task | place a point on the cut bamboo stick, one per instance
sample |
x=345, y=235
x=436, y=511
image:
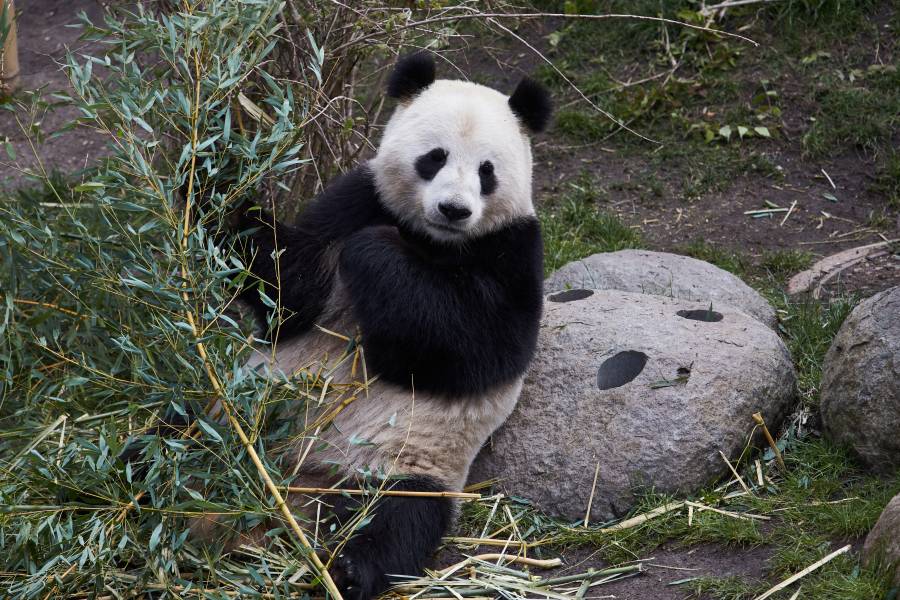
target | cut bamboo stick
x=762, y=423
x=644, y=517
x=358, y=492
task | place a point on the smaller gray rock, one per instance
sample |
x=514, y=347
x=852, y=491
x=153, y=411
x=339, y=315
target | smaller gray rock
x=649, y=388
x=861, y=383
x=662, y=274
x=883, y=542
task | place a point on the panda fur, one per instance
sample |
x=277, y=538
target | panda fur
x=430, y=255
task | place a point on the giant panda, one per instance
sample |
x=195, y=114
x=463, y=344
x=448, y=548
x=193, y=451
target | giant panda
x=429, y=255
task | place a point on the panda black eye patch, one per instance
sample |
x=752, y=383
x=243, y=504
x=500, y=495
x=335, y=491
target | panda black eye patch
x=487, y=177
x=428, y=165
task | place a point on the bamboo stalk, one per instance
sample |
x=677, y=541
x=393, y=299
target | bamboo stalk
x=778, y=459
x=219, y=390
x=9, y=61
x=549, y=563
x=358, y=492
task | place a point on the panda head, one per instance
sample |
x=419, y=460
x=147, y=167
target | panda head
x=455, y=159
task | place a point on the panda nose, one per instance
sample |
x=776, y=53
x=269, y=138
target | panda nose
x=454, y=212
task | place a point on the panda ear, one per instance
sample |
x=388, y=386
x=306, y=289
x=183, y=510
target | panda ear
x=412, y=74
x=531, y=103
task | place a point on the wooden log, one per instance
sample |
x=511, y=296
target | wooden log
x=9, y=61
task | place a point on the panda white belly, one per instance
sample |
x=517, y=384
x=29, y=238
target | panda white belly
x=380, y=428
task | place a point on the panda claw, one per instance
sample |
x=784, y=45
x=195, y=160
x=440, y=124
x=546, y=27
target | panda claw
x=356, y=577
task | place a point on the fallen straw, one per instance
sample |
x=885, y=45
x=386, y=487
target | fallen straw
x=778, y=459
x=549, y=563
x=592, y=574
x=765, y=211
x=803, y=573
x=788, y=214
x=735, y=473
x=472, y=541
x=587, y=513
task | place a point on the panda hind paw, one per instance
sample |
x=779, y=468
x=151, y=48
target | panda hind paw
x=357, y=576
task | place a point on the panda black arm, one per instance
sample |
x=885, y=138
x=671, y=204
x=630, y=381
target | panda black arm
x=451, y=321
x=296, y=257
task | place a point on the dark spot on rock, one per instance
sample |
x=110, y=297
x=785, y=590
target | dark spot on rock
x=684, y=370
x=618, y=370
x=571, y=295
x=702, y=314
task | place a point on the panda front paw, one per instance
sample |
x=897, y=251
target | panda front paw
x=357, y=575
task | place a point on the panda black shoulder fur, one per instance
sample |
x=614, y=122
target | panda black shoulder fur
x=431, y=254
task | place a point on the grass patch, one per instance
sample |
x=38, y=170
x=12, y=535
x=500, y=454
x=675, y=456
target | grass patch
x=861, y=113
x=726, y=588
x=575, y=228
x=723, y=258
x=887, y=179
x=782, y=264
x=809, y=327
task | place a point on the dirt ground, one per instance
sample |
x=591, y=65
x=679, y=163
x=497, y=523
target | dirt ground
x=45, y=33
x=817, y=224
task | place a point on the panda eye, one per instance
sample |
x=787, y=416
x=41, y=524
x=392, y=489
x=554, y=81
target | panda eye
x=428, y=165
x=487, y=177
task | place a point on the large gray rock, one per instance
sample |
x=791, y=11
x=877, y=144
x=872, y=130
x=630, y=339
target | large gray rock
x=861, y=382
x=662, y=274
x=883, y=542
x=638, y=384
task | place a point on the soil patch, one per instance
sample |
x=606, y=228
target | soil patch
x=45, y=33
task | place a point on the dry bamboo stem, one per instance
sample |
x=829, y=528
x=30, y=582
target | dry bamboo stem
x=778, y=459
x=735, y=473
x=357, y=492
x=214, y=379
x=9, y=61
x=472, y=541
x=643, y=517
x=587, y=513
x=803, y=573
x=728, y=513
x=507, y=559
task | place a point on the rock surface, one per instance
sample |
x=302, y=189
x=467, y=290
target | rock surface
x=662, y=274
x=883, y=542
x=861, y=383
x=652, y=388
